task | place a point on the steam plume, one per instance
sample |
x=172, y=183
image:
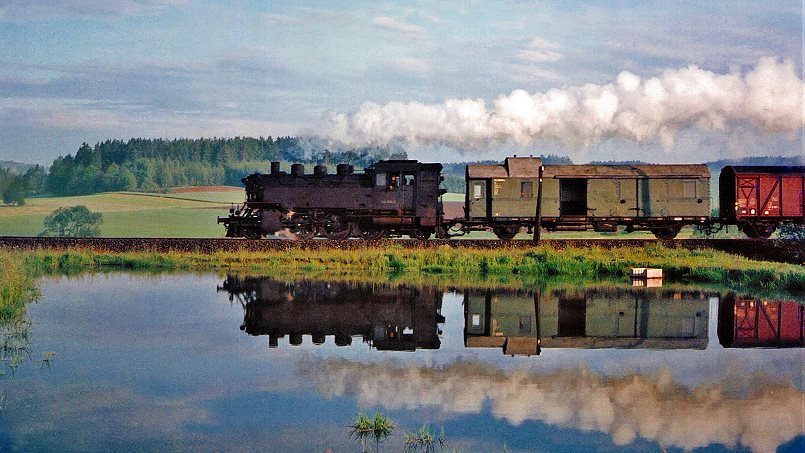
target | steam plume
x=768, y=97
x=650, y=406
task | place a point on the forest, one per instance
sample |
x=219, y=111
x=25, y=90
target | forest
x=155, y=164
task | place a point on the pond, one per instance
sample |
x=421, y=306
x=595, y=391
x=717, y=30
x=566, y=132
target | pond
x=120, y=362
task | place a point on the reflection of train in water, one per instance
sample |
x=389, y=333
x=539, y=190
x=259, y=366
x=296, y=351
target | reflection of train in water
x=387, y=318
x=403, y=197
x=518, y=322
x=746, y=322
x=523, y=324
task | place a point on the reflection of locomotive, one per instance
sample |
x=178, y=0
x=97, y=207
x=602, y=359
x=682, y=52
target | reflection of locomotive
x=401, y=197
x=388, y=318
x=745, y=322
x=523, y=324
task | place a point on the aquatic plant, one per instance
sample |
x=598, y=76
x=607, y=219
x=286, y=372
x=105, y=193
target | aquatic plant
x=424, y=440
x=364, y=428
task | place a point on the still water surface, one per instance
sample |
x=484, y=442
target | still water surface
x=188, y=362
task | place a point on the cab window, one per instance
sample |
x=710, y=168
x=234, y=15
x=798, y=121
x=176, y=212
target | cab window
x=380, y=179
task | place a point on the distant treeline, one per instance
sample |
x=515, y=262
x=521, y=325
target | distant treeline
x=155, y=164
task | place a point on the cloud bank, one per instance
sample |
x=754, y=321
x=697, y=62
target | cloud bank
x=769, y=97
x=650, y=406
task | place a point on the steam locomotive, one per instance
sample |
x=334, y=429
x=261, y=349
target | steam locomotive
x=395, y=198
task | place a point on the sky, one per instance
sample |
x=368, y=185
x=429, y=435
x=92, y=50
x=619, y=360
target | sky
x=447, y=81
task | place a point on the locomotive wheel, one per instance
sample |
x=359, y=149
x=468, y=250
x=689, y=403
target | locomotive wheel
x=336, y=227
x=302, y=227
x=421, y=234
x=372, y=233
x=666, y=233
x=251, y=233
x=506, y=232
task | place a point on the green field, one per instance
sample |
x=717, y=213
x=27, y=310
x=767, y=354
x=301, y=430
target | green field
x=130, y=214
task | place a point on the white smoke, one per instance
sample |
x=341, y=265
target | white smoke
x=650, y=406
x=769, y=97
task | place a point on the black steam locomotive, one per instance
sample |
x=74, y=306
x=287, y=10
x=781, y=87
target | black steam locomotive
x=396, y=198
x=390, y=198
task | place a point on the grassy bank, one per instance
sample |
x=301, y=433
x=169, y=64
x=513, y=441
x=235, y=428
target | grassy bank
x=17, y=289
x=542, y=262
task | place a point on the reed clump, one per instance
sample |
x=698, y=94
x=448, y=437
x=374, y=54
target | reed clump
x=17, y=288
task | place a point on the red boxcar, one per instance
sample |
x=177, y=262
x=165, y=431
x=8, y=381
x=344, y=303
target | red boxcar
x=759, y=199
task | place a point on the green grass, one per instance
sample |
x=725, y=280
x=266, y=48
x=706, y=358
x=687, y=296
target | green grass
x=17, y=287
x=128, y=214
x=468, y=264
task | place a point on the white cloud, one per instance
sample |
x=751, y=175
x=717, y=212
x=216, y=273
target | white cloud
x=540, y=50
x=410, y=64
x=396, y=25
x=652, y=407
x=131, y=121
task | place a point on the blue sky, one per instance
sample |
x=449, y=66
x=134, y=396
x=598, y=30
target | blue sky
x=75, y=71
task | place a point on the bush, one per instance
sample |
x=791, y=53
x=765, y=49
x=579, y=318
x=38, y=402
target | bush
x=791, y=231
x=75, y=221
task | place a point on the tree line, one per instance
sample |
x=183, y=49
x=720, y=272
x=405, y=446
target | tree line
x=155, y=164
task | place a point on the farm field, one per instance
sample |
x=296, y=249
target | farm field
x=181, y=213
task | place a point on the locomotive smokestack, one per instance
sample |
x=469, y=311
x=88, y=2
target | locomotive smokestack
x=275, y=168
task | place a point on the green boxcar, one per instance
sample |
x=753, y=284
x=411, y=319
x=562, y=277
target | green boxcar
x=659, y=198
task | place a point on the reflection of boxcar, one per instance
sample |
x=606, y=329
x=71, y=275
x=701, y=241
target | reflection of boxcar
x=659, y=198
x=590, y=318
x=758, y=199
x=390, y=197
x=745, y=322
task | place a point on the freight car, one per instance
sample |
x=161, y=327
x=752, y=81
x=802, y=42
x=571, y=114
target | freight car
x=657, y=198
x=402, y=197
x=759, y=199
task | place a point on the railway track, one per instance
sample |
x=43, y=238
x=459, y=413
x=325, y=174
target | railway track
x=771, y=250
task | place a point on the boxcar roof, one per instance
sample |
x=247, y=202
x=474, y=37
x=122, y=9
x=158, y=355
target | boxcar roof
x=763, y=169
x=512, y=167
x=627, y=171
